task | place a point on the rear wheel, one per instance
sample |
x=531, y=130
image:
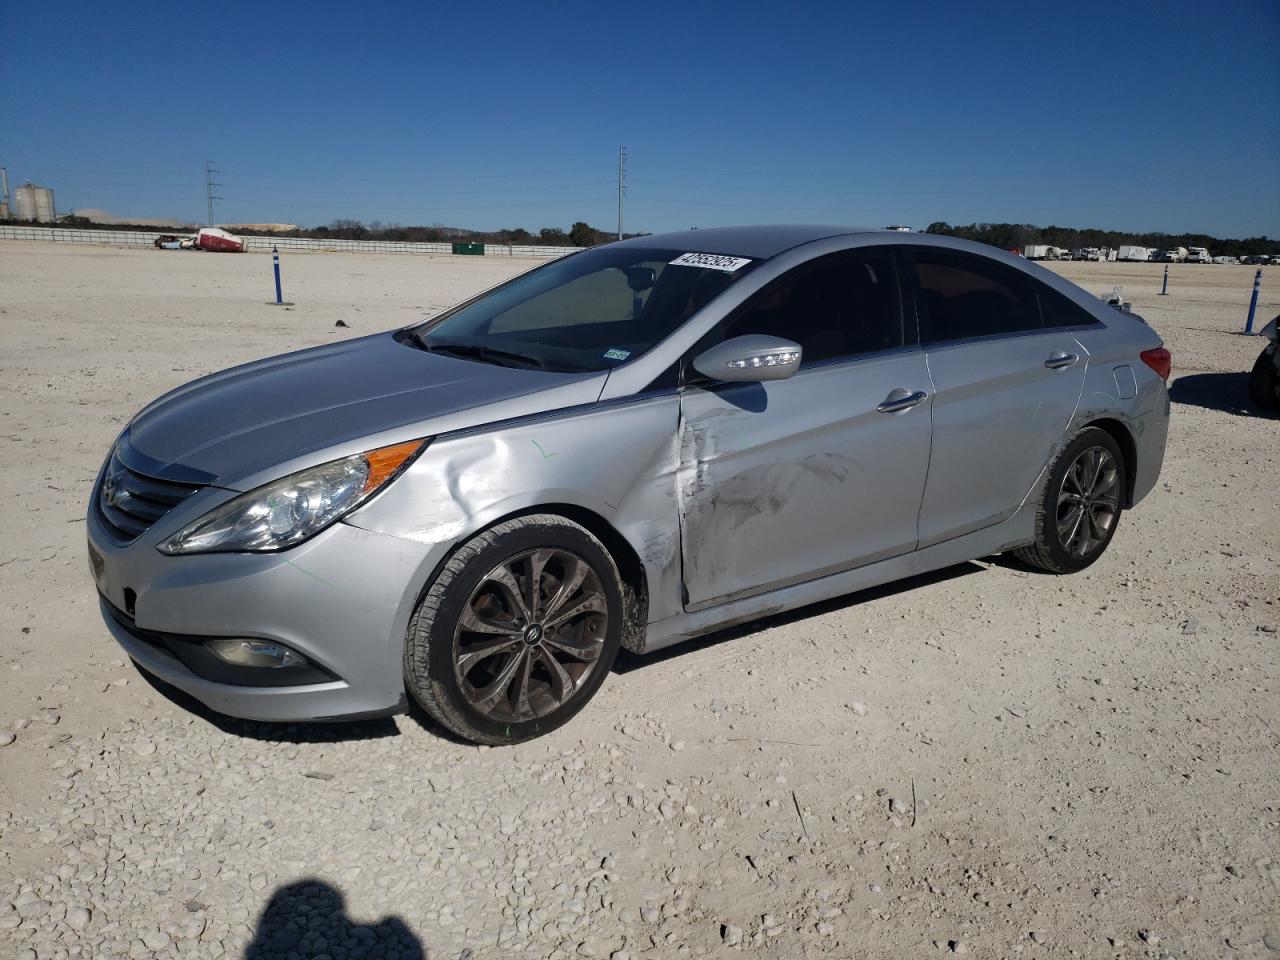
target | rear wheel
x=1080, y=508
x=517, y=632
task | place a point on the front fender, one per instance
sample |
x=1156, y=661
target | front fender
x=616, y=460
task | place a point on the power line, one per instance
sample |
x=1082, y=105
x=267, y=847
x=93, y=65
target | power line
x=147, y=175
x=399, y=210
x=451, y=194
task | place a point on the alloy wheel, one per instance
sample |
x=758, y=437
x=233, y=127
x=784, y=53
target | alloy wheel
x=1088, y=501
x=530, y=634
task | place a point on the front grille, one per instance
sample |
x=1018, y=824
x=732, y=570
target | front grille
x=129, y=502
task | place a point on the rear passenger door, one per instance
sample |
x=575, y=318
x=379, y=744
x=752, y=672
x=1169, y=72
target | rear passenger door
x=1005, y=388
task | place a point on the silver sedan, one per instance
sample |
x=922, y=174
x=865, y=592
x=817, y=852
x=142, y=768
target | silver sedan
x=625, y=447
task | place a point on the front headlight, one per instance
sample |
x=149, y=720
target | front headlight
x=289, y=510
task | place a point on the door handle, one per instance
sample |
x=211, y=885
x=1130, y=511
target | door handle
x=1057, y=360
x=900, y=399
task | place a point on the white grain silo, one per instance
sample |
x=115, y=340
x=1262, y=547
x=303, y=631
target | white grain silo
x=31, y=202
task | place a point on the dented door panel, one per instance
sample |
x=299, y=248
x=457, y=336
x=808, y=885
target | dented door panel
x=786, y=481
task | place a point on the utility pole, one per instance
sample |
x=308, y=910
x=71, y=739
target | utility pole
x=208, y=187
x=4, y=192
x=622, y=184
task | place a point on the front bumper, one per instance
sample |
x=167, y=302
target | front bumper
x=343, y=599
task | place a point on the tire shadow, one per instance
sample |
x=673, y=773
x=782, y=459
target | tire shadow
x=343, y=730
x=1224, y=392
x=335, y=731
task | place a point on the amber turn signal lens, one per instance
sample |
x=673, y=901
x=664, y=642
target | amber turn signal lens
x=385, y=461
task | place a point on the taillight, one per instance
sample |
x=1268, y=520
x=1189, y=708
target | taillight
x=1158, y=359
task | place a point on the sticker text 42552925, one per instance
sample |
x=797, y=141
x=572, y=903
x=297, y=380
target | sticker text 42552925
x=711, y=261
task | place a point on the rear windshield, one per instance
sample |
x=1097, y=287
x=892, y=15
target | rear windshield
x=587, y=312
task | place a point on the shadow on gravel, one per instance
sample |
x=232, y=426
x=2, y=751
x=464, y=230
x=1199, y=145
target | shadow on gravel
x=332, y=732
x=339, y=731
x=309, y=919
x=1226, y=392
x=627, y=662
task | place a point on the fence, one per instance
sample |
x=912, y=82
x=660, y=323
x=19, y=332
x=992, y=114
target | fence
x=146, y=238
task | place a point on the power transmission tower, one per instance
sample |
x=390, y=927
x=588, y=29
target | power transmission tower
x=208, y=187
x=622, y=184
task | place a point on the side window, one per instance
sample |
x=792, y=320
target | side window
x=841, y=306
x=1060, y=311
x=967, y=297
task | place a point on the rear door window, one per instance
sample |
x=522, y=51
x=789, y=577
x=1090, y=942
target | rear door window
x=967, y=297
x=1061, y=311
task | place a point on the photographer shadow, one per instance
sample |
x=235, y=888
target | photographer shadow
x=309, y=919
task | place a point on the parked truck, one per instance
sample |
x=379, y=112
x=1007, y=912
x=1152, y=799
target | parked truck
x=1036, y=251
x=1092, y=254
x=1134, y=254
x=1198, y=255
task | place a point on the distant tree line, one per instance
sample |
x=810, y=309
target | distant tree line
x=1010, y=236
x=581, y=234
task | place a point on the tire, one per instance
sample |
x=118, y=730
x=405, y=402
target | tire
x=1089, y=474
x=1264, y=380
x=478, y=623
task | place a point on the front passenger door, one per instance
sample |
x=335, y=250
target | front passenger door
x=790, y=480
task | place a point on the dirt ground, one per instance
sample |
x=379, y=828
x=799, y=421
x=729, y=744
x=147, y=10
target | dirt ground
x=983, y=761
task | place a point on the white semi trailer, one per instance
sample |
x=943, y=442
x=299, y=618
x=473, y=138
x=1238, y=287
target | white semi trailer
x=1134, y=254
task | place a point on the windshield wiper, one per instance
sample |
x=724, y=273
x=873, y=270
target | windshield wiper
x=502, y=358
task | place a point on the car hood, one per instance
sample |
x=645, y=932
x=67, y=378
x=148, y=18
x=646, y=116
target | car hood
x=251, y=424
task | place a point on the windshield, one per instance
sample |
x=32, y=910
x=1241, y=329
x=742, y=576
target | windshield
x=587, y=312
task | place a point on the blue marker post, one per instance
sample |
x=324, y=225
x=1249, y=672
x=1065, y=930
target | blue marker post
x=1164, y=291
x=1253, y=303
x=275, y=263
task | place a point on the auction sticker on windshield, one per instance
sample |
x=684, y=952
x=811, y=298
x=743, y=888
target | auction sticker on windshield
x=710, y=261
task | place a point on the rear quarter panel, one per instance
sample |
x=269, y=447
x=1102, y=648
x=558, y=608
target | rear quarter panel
x=1135, y=396
x=1119, y=386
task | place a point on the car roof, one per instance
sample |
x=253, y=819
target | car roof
x=757, y=242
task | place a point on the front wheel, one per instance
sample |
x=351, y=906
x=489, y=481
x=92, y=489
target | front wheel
x=517, y=632
x=1081, y=505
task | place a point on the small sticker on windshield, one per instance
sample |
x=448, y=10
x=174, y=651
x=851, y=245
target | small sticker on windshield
x=616, y=354
x=710, y=261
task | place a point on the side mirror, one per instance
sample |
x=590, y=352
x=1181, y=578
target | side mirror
x=750, y=359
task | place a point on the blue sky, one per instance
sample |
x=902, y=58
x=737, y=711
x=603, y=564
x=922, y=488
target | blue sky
x=1161, y=116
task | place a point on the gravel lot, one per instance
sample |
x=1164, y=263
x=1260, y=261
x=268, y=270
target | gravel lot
x=984, y=761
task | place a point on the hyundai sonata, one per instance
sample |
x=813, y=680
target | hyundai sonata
x=625, y=447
